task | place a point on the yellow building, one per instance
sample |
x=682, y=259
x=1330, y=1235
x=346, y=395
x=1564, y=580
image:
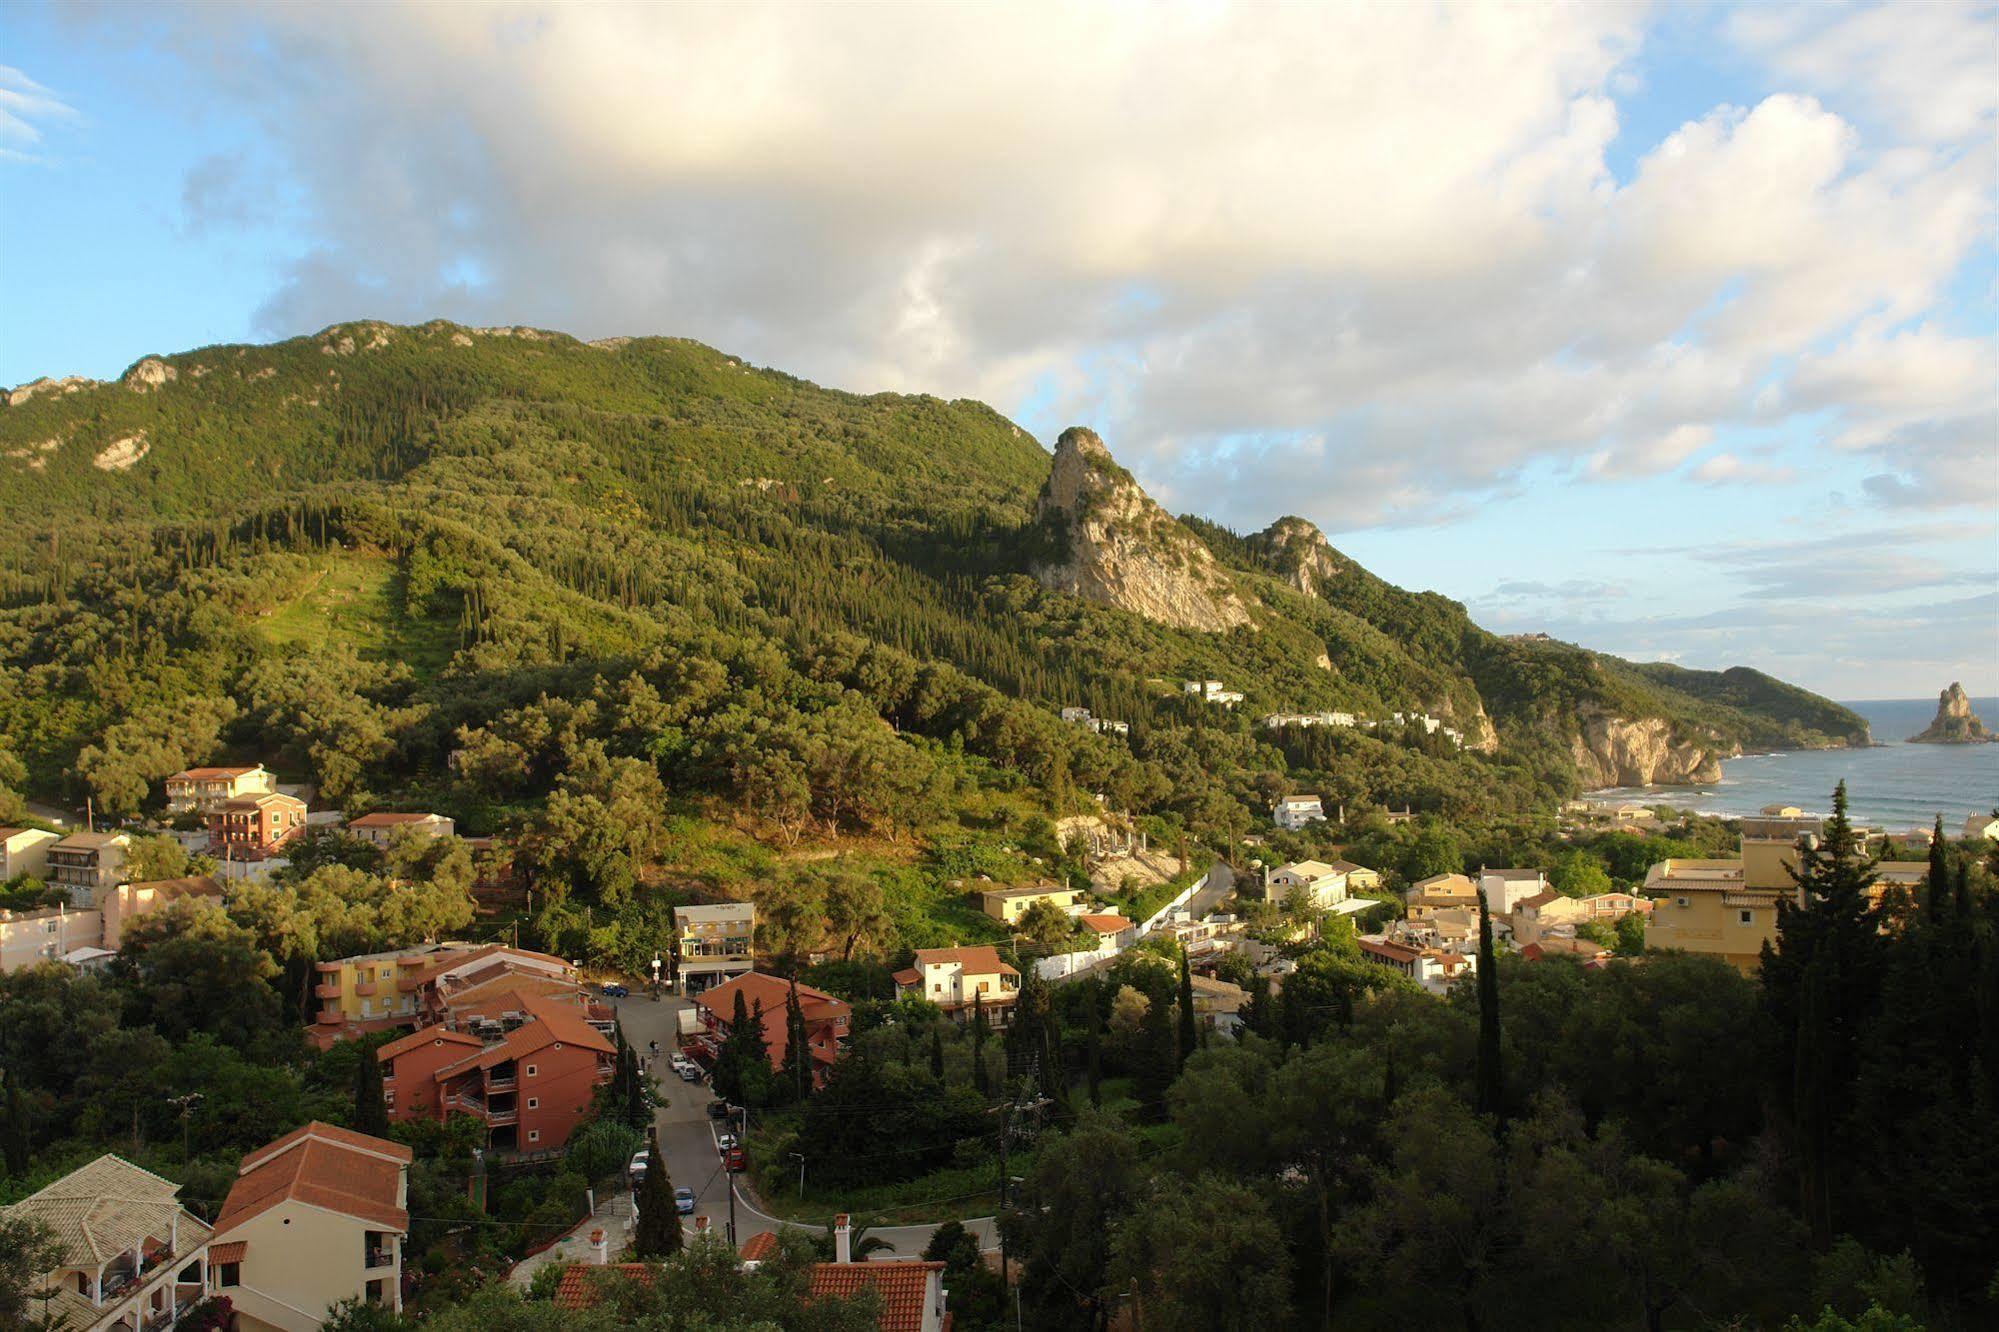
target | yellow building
x=1728, y=908
x=1009, y=904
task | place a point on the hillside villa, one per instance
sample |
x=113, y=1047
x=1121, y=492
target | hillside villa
x=957, y=978
x=316, y=1217
x=133, y=1259
x=1432, y=968
x=1293, y=812
x=1008, y=905
x=203, y=789
x=412, y=986
x=1505, y=889
x=377, y=829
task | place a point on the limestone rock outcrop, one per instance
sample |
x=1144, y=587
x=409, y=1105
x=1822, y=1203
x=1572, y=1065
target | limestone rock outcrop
x=67, y=384
x=1117, y=547
x=1956, y=723
x=1300, y=553
x=150, y=374
x=1610, y=751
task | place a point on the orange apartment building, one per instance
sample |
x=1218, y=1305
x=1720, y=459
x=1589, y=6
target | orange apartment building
x=531, y=1087
x=254, y=827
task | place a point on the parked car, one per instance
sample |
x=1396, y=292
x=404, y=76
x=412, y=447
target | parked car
x=720, y=1109
x=687, y=1068
x=732, y=1160
x=724, y=1142
x=637, y=1169
x=683, y=1199
x=612, y=990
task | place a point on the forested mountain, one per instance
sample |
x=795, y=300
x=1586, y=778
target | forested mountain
x=390, y=557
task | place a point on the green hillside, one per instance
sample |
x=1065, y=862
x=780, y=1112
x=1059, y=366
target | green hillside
x=373, y=552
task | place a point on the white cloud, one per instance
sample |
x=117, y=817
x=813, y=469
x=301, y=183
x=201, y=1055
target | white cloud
x=1363, y=262
x=24, y=104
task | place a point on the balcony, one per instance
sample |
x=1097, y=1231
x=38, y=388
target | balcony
x=366, y=987
x=503, y=1115
x=330, y=990
x=504, y=1084
x=331, y=1015
x=382, y=1257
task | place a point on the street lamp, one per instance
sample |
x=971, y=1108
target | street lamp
x=655, y=975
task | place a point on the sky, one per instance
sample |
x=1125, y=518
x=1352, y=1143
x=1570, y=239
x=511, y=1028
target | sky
x=1673, y=331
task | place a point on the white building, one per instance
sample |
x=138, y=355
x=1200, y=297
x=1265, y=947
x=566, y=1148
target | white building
x=1432, y=968
x=1212, y=691
x=1506, y=889
x=25, y=851
x=1294, y=812
x=1277, y=721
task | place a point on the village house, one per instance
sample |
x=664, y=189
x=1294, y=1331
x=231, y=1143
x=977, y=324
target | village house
x=1981, y=827
x=1324, y=885
x=1206, y=939
x=1218, y=1004
x=377, y=829
x=956, y=978
x=1007, y=905
x=1441, y=892
x=1546, y=913
x=713, y=944
x=1113, y=931
x=203, y=789
x=86, y=864
x=1505, y=889
x=1432, y=968
x=254, y=827
x=316, y=1217
x=1585, y=951
x=1277, y=721
x=1212, y=691
x=1453, y=929
x=1293, y=812
x=133, y=1259
x=1615, y=906
x=48, y=934
x=530, y=1088
x=129, y=901
x=910, y=1291
x=25, y=851
x=827, y=1019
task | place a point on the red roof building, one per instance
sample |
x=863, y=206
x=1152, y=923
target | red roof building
x=826, y=1018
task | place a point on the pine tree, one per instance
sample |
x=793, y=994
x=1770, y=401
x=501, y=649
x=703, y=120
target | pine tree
x=1188, y=1032
x=1491, y=1071
x=371, y=1109
x=657, y=1234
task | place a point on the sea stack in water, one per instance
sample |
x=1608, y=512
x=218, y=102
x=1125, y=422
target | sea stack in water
x=1956, y=723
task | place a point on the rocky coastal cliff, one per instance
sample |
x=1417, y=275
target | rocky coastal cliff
x=1121, y=549
x=1956, y=723
x=1610, y=751
x=1300, y=553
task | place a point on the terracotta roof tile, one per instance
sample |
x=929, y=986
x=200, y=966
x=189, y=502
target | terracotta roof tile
x=582, y=1284
x=1108, y=924
x=982, y=960
x=324, y=1166
x=902, y=1285
x=231, y=1252
x=759, y=1246
x=416, y=1040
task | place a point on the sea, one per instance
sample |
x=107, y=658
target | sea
x=1894, y=786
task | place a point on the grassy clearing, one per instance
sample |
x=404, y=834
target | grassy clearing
x=356, y=599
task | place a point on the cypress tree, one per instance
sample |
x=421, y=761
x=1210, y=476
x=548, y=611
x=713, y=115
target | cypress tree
x=981, y=1077
x=1188, y=1033
x=797, y=1075
x=937, y=1052
x=371, y=1109
x=14, y=1130
x=1491, y=1073
x=1937, y=885
x=657, y=1234
x=1094, y=1046
x=637, y=1112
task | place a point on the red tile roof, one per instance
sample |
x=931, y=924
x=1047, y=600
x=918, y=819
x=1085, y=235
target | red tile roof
x=818, y=1008
x=983, y=960
x=759, y=1246
x=323, y=1166
x=907, y=976
x=211, y=774
x=1538, y=900
x=227, y=1253
x=416, y=1040
x=903, y=1287
x=387, y=820
x=552, y=1028
x=1106, y=924
x=1396, y=953
x=582, y=1283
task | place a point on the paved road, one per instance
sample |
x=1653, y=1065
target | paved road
x=687, y=1138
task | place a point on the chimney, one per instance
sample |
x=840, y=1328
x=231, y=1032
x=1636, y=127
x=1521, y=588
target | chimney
x=842, y=1250
x=600, y=1249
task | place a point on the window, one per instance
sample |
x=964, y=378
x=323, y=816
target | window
x=534, y=1135
x=374, y=1292
x=530, y=1070
x=1746, y=916
x=229, y=1274
x=534, y=1103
